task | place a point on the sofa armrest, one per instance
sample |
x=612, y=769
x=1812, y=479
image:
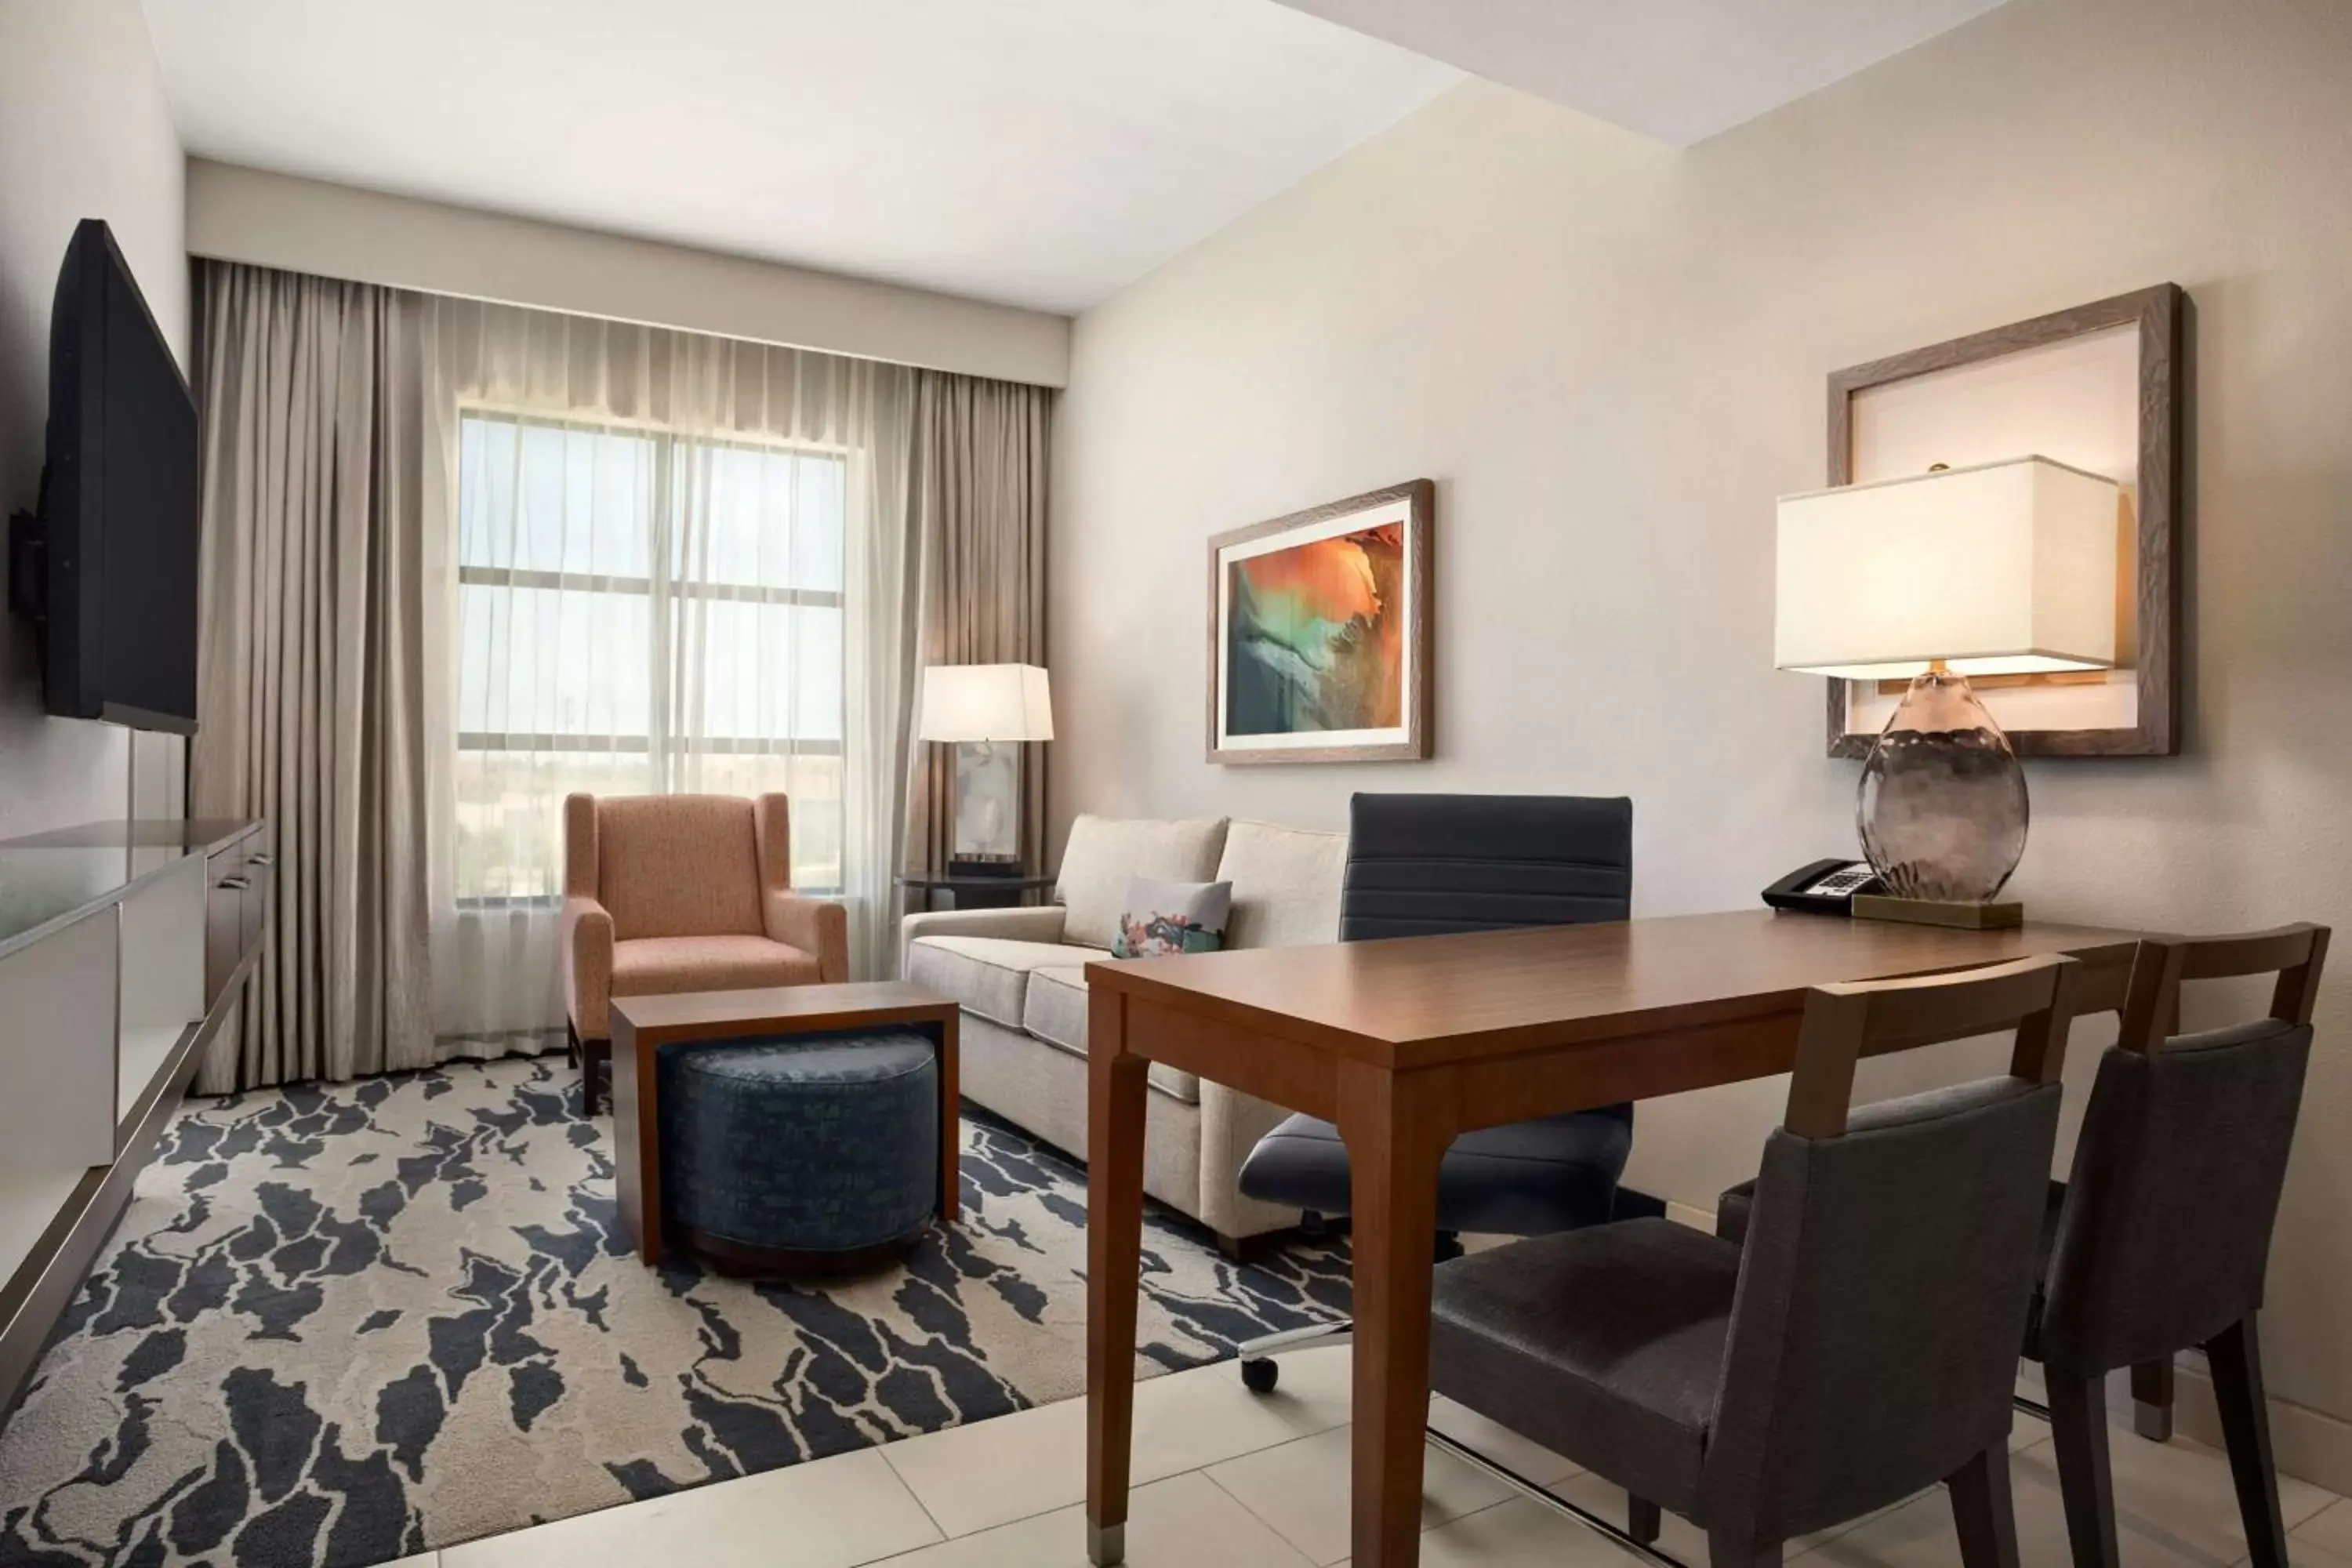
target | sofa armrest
x=817, y=926
x=1041, y=922
x=587, y=942
x=1230, y=1125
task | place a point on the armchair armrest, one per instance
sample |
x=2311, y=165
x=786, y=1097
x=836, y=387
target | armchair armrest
x=1041, y=922
x=587, y=942
x=817, y=926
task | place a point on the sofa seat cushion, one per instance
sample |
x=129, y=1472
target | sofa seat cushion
x=988, y=974
x=659, y=966
x=1056, y=1014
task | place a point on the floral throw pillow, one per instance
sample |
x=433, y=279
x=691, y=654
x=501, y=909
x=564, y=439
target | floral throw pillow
x=1161, y=918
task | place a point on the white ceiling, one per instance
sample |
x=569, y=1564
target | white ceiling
x=1679, y=70
x=1038, y=153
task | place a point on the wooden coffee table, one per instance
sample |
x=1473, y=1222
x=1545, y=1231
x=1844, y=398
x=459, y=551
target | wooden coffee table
x=642, y=1025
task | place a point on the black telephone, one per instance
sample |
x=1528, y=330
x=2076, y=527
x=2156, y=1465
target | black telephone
x=1824, y=888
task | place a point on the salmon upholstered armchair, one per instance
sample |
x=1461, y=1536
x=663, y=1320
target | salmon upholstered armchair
x=682, y=892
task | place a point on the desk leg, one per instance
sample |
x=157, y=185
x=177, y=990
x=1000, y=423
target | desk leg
x=1115, y=1084
x=1396, y=1129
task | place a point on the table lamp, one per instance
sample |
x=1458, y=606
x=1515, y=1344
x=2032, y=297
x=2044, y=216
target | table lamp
x=986, y=711
x=2005, y=568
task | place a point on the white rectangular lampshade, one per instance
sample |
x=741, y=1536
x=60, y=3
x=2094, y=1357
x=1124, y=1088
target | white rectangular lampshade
x=2005, y=568
x=985, y=702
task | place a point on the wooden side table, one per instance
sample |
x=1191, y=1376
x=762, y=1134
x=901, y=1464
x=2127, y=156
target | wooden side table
x=643, y=1024
x=976, y=892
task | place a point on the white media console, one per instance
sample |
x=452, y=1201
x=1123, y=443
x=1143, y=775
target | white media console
x=123, y=950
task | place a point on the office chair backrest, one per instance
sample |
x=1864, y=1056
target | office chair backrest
x=1890, y=1258
x=1422, y=865
x=2165, y=1231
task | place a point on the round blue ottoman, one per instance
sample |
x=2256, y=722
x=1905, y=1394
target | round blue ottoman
x=802, y=1151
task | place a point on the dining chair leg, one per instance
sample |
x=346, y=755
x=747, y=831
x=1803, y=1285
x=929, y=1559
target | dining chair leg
x=2078, y=1427
x=2235, y=1355
x=1642, y=1521
x=1730, y=1549
x=1983, y=1511
x=2151, y=1386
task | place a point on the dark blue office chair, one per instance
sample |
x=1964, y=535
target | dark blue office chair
x=1424, y=865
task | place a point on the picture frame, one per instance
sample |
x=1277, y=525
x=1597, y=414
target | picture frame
x=1318, y=633
x=2100, y=388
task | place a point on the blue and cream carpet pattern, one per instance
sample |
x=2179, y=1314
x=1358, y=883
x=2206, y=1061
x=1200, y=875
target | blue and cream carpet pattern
x=340, y=1324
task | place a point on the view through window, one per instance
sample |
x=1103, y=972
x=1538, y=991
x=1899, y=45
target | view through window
x=641, y=611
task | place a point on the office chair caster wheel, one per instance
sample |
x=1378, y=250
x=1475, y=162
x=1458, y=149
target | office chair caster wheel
x=1259, y=1376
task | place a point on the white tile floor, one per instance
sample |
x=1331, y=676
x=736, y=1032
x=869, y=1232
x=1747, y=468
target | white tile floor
x=1224, y=1477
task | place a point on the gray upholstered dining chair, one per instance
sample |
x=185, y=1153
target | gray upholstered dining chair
x=2159, y=1239
x=2164, y=1231
x=1860, y=1348
x=1431, y=865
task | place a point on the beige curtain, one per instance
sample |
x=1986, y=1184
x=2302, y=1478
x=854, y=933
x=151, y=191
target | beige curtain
x=310, y=666
x=335, y=617
x=976, y=496
x=660, y=561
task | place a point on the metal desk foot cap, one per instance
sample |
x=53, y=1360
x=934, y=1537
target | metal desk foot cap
x=1105, y=1543
x=2153, y=1422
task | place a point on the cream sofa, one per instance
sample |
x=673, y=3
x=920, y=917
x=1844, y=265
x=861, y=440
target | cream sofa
x=1020, y=977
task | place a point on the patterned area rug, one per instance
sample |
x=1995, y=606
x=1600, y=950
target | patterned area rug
x=341, y=1324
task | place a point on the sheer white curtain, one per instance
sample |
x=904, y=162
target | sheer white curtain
x=656, y=561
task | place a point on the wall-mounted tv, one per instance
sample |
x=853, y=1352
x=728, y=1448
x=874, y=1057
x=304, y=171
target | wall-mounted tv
x=108, y=567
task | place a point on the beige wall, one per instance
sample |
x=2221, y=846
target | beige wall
x=277, y=220
x=85, y=131
x=1610, y=355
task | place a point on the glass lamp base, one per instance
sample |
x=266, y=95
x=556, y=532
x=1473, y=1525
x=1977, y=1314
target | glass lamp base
x=987, y=801
x=1942, y=808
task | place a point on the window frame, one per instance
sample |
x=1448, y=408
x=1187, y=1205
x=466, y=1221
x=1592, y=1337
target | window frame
x=661, y=589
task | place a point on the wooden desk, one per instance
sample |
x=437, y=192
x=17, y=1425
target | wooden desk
x=643, y=1024
x=1405, y=1044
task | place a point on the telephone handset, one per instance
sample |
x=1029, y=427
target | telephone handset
x=1824, y=887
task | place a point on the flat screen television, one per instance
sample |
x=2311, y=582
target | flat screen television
x=107, y=569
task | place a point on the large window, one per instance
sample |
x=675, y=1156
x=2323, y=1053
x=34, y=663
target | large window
x=641, y=611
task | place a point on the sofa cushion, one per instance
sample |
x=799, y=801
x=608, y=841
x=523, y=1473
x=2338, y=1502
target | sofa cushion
x=664, y=965
x=1056, y=1014
x=1104, y=852
x=987, y=974
x=1287, y=884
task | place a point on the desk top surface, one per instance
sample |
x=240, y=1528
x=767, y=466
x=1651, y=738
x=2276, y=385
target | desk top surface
x=1431, y=998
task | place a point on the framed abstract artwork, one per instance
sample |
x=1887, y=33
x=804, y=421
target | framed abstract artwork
x=1318, y=633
